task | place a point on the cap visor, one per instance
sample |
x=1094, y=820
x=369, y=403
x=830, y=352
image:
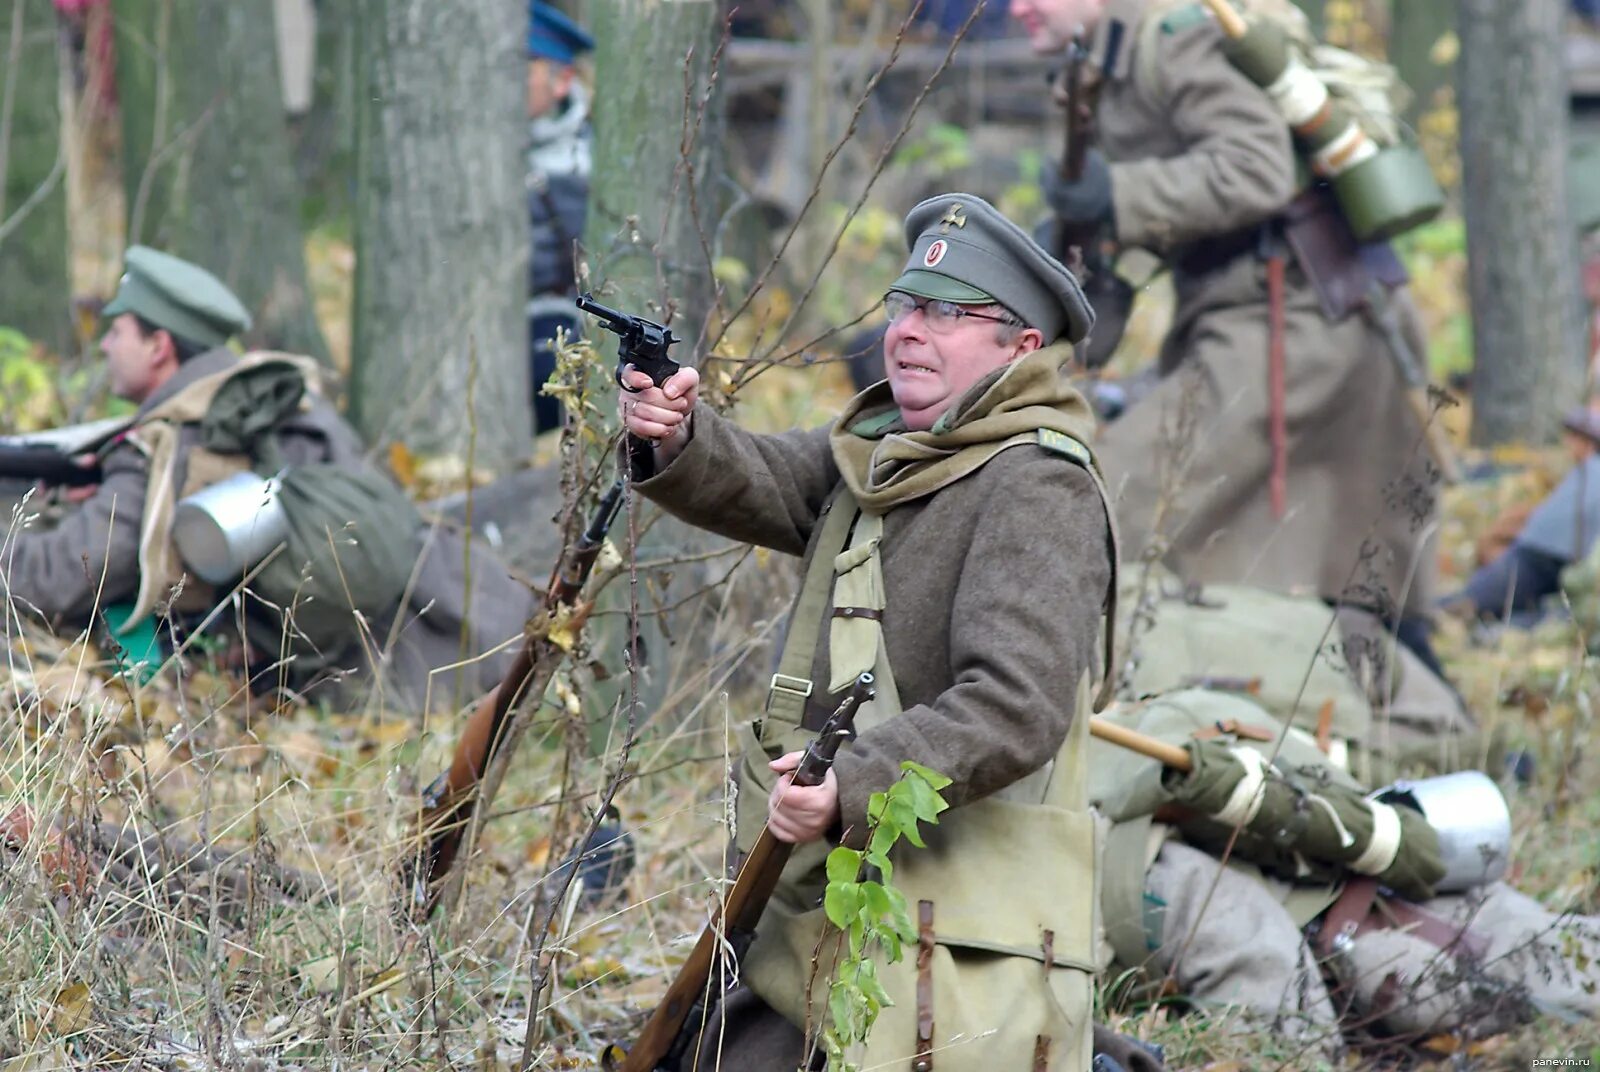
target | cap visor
x=114, y=307
x=925, y=284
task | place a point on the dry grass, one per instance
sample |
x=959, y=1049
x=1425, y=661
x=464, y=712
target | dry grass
x=281, y=946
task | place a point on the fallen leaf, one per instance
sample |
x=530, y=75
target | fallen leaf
x=403, y=464
x=71, y=1012
x=320, y=976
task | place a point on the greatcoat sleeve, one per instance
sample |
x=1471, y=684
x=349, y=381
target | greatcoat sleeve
x=760, y=489
x=89, y=560
x=1025, y=613
x=1237, y=165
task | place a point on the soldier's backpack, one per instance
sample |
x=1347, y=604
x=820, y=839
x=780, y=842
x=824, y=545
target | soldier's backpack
x=351, y=542
x=1372, y=89
x=352, y=539
x=1580, y=585
x=1338, y=676
x=1343, y=109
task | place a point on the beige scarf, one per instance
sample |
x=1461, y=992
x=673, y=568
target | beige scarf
x=885, y=465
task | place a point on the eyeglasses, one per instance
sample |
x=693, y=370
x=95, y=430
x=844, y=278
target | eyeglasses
x=941, y=316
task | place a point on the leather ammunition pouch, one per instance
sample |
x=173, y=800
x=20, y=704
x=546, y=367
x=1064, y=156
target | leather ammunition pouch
x=1341, y=270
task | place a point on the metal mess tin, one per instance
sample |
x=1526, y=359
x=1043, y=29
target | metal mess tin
x=222, y=530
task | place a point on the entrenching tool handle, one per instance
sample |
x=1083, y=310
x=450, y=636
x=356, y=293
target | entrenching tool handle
x=1169, y=755
x=676, y=1019
x=1228, y=18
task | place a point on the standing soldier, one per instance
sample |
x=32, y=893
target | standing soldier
x=1320, y=485
x=957, y=545
x=558, y=187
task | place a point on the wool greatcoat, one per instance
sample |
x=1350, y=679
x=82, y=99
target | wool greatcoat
x=994, y=591
x=1199, y=160
x=90, y=560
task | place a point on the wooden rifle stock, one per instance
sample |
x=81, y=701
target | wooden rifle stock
x=674, y=1023
x=449, y=802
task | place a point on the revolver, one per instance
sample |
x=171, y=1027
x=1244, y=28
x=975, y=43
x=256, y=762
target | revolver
x=644, y=342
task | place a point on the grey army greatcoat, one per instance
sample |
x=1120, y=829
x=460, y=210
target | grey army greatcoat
x=1199, y=159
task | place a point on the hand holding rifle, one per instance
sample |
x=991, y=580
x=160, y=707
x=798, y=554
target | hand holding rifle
x=675, y=1023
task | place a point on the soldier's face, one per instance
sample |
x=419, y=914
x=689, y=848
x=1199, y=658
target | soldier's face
x=548, y=84
x=136, y=363
x=929, y=371
x=1051, y=24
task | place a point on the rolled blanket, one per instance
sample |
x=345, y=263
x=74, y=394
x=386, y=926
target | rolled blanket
x=1298, y=823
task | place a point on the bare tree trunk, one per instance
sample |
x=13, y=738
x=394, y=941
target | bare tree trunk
x=442, y=229
x=1522, y=251
x=206, y=156
x=650, y=240
x=652, y=206
x=35, y=287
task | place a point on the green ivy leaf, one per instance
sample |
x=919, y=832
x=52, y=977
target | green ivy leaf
x=867, y=980
x=926, y=803
x=877, y=898
x=875, y=806
x=934, y=779
x=839, y=1008
x=842, y=903
x=905, y=818
x=843, y=864
x=879, y=844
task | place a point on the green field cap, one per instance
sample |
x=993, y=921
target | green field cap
x=183, y=298
x=963, y=250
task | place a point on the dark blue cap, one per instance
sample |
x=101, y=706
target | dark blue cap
x=553, y=36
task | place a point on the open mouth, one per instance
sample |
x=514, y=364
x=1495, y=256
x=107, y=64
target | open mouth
x=907, y=366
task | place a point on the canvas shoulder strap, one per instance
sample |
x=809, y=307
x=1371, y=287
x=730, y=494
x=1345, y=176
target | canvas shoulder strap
x=844, y=574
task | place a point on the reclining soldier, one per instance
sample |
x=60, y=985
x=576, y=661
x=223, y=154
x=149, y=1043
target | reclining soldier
x=974, y=556
x=205, y=414
x=1287, y=941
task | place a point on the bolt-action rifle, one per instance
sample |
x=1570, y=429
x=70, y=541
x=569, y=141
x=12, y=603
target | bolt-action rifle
x=451, y=801
x=676, y=1021
x=52, y=457
x=1084, y=246
x=44, y=465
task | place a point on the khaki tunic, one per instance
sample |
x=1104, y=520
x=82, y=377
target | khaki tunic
x=90, y=560
x=994, y=592
x=1198, y=155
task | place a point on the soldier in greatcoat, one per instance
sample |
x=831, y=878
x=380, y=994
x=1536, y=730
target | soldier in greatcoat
x=958, y=546
x=1196, y=165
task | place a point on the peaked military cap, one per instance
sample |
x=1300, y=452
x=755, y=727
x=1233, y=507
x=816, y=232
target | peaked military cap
x=964, y=250
x=553, y=36
x=183, y=298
